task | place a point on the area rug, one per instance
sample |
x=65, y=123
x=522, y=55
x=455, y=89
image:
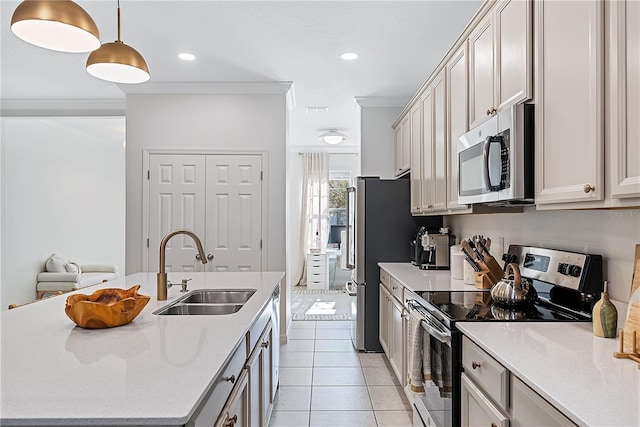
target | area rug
x=317, y=304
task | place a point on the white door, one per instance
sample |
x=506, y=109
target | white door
x=234, y=212
x=176, y=200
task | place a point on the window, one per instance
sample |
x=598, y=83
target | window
x=338, y=183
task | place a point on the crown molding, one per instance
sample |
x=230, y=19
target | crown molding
x=382, y=101
x=207, y=88
x=62, y=107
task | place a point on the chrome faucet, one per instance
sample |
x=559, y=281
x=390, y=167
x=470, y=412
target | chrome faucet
x=162, y=276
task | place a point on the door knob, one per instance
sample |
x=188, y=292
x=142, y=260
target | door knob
x=209, y=257
x=198, y=257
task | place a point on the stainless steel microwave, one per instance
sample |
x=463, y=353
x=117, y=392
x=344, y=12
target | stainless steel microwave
x=495, y=160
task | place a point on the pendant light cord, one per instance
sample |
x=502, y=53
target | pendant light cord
x=119, y=21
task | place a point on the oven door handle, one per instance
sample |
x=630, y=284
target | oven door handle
x=444, y=338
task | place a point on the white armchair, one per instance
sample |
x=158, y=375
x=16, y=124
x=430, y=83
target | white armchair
x=89, y=274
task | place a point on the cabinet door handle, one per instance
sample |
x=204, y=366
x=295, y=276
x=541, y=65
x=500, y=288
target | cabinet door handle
x=489, y=112
x=475, y=365
x=210, y=257
x=233, y=420
x=231, y=379
x=588, y=188
x=265, y=344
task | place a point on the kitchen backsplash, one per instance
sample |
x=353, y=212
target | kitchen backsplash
x=610, y=233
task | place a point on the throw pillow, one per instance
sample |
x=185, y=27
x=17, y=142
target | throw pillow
x=72, y=267
x=56, y=264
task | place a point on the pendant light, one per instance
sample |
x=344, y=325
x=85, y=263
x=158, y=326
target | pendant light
x=333, y=137
x=59, y=25
x=117, y=62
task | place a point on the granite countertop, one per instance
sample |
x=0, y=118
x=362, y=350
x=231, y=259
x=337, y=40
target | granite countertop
x=414, y=279
x=153, y=371
x=568, y=366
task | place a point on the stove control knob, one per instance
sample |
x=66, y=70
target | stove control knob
x=575, y=270
x=563, y=268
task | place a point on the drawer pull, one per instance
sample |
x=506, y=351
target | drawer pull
x=233, y=420
x=475, y=365
x=265, y=344
x=231, y=379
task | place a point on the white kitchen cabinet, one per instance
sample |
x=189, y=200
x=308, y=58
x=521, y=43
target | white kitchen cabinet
x=528, y=409
x=623, y=97
x=384, y=330
x=236, y=411
x=317, y=271
x=500, y=60
x=477, y=409
x=416, y=158
x=259, y=368
x=457, y=120
x=403, y=146
x=397, y=341
x=426, y=199
x=569, y=101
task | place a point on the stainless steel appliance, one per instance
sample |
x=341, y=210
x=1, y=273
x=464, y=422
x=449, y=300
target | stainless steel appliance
x=416, y=247
x=379, y=226
x=567, y=284
x=435, y=250
x=496, y=159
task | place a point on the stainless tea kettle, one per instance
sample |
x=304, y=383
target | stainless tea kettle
x=513, y=289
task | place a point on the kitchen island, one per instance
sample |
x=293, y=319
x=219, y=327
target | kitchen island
x=156, y=370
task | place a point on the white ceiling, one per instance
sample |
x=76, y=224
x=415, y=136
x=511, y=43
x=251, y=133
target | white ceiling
x=399, y=43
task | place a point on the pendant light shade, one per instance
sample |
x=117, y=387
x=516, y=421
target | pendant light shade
x=117, y=62
x=59, y=25
x=333, y=137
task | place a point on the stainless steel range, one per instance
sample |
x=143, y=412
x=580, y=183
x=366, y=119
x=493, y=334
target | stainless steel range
x=567, y=284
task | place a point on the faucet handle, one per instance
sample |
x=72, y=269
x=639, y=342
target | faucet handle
x=184, y=285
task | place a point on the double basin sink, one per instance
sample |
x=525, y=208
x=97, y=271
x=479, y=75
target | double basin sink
x=207, y=302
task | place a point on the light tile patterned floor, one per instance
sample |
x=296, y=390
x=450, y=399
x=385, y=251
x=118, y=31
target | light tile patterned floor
x=325, y=382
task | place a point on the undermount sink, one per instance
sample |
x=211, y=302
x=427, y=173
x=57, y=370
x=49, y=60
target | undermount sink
x=199, y=309
x=203, y=302
x=218, y=296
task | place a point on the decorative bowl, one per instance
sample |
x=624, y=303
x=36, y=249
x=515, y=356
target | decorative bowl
x=105, y=308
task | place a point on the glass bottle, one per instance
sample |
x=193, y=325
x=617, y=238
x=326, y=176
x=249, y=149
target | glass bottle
x=605, y=315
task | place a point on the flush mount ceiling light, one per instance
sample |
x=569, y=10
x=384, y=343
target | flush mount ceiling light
x=59, y=25
x=333, y=137
x=117, y=62
x=186, y=56
x=349, y=56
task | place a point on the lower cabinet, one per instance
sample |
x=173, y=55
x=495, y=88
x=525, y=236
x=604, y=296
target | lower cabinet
x=260, y=380
x=392, y=330
x=236, y=411
x=384, y=319
x=493, y=396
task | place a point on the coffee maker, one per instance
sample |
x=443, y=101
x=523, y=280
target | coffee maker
x=416, y=249
x=435, y=250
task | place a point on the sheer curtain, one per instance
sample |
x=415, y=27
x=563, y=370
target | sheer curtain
x=314, y=224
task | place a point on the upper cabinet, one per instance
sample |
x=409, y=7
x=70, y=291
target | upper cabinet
x=416, y=158
x=500, y=60
x=403, y=146
x=623, y=97
x=569, y=90
x=457, y=119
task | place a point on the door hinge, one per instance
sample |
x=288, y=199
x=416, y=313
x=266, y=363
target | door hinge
x=261, y=175
x=260, y=243
x=147, y=242
x=148, y=174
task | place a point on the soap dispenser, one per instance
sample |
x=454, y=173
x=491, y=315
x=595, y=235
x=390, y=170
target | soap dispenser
x=605, y=315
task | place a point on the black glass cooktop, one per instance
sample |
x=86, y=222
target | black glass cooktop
x=478, y=306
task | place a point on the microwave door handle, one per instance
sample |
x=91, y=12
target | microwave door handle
x=349, y=265
x=485, y=156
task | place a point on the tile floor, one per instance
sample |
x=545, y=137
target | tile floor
x=325, y=382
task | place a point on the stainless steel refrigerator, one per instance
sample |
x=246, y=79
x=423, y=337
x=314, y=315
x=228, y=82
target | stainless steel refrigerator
x=380, y=229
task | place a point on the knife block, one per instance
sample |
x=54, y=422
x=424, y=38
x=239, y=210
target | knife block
x=483, y=280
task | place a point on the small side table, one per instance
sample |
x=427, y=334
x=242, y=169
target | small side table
x=317, y=271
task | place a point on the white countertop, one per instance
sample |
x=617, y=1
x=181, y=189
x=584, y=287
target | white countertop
x=152, y=371
x=567, y=365
x=414, y=279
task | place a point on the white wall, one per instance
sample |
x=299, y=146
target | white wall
x=378, y=140
x=63, y=192
x=239, y=122
x=610, y=233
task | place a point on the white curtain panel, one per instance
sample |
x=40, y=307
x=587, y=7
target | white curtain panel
x=314, y=224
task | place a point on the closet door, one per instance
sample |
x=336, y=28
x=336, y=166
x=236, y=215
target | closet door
x=234, y=212
x=176, y=200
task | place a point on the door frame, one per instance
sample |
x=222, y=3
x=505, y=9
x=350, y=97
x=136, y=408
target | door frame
x=146, y=159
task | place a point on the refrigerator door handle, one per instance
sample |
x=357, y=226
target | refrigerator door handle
x=349, y=265
x=348, y=288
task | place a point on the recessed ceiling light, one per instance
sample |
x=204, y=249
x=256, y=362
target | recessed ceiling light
x=349, y=56
x=186, y=56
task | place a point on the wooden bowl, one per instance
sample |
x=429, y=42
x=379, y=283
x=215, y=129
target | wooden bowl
x=105, y=308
